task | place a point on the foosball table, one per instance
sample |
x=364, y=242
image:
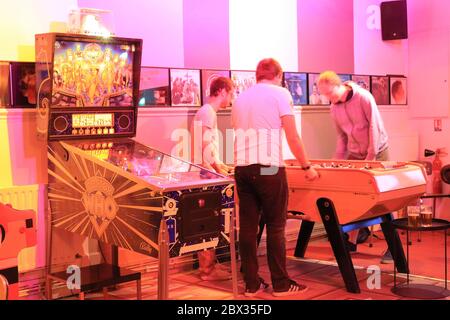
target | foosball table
x=350, y=195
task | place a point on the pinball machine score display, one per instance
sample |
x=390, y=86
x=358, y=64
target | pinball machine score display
x=104, y=185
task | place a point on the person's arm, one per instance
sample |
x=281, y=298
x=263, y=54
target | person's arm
x=211, y=159
x=341, y=143
x=370, y=111
x=296, y=145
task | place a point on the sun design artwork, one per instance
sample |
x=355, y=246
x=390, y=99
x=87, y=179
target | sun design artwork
x=99, y=203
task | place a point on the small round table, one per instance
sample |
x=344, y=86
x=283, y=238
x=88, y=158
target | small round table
x=421, y=291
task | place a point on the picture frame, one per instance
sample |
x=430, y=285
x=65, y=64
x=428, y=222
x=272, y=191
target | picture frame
x=5, y=90
x=344, y=77
x=154, y=87
x=398, y=90
x=242, y=80
x=185, y=87
x=379, y=86
x=315, y=98
x=208, y=76
x=23, y=85
x=297, y=84
x=362, y=80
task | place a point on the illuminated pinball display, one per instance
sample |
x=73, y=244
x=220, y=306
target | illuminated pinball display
x=92, y=74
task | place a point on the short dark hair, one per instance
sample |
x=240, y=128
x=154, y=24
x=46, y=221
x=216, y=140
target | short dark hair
x=268, y=69
x=219, y=84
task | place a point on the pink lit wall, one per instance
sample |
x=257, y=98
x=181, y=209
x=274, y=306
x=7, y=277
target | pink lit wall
x=325, y=35
x=29, y=162
x=429, y=69
x=206, y=34
x=261, y=29
x=429, y=79
x=428, y=15
x=372, y=54
x=377, y=57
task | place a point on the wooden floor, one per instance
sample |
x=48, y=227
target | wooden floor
x=319, y=272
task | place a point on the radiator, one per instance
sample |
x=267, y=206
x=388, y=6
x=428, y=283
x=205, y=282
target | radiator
x=23, y=198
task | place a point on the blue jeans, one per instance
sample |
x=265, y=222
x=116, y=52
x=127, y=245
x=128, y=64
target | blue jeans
x=262, y=196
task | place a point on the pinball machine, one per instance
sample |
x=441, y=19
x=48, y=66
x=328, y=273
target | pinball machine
x=104, y=185
x=350, y=195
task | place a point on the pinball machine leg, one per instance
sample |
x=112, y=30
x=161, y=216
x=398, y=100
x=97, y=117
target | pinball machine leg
x=234, y=272
x=335, y=236
x=48, y=252
x=394, y=244
x=304, y=234
x=163, y=268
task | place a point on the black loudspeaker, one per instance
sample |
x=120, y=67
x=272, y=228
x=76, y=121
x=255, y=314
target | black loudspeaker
x=394, y=20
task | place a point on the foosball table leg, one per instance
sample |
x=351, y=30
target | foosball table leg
x=304, y=234
x=394, y=244
x=336, y=238
x=371, y=237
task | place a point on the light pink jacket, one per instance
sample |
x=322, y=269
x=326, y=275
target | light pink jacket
x=359, y=126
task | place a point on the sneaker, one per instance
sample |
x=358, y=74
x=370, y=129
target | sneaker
x=216, y=274
x=387, y=257
x=294, y=288
x=253, y=292
x=363, y=235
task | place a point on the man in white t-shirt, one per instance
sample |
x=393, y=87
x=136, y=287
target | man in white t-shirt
x=205, y=152
x=259, y=116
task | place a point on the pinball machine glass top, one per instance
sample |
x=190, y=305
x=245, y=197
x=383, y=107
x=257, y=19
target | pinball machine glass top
x=93, y=74
x=155, y=167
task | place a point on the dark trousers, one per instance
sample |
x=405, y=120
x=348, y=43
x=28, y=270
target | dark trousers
x=263, y=194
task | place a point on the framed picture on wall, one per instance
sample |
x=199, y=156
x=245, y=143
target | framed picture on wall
x=315, y=98
x=380, y=89
x=297, y=84
x=399, y=90
x=23, y=83
x=208, y=77
x=243, y=80
x=154, y=87
x=185, y=87
x=344, y=77
x=5, y=100
x=362, y=80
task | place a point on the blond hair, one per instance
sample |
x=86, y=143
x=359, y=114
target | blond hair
x=329, y=77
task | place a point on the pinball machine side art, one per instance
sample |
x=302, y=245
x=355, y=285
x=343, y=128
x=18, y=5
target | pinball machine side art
x=101, y=203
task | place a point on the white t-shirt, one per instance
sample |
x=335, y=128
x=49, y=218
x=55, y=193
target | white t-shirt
x=256, y=117
x=206, y=116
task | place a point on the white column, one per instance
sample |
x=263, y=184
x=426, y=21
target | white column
x=261, y=29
